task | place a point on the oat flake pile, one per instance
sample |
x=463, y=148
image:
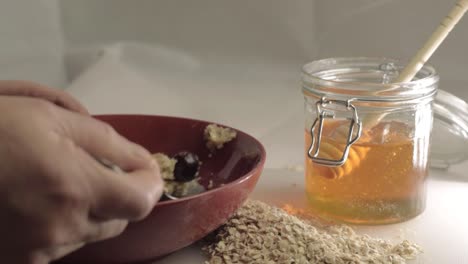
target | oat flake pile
x=259, y=233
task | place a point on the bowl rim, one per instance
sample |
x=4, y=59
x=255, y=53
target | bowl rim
x=256, y=169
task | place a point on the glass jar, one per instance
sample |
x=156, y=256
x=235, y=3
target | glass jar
x=367, y=140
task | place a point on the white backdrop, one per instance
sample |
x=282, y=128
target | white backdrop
x=31, y=41
x=296, y=31
x=277, y=31
x=235, y=62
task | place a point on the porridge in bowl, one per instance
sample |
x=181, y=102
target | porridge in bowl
x=180, y=172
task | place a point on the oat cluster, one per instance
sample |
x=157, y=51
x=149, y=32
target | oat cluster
x=216, y=136
x=259, y=233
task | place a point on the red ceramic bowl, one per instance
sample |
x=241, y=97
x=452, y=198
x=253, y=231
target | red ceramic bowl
x=173, y=225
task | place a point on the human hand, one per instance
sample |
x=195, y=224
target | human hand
x=35, y=90
x=54, y=195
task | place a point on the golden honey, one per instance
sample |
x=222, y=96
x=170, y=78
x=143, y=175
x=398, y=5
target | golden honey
x=382, y=181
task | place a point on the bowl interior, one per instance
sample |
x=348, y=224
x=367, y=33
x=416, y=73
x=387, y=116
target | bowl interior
x=171, y=135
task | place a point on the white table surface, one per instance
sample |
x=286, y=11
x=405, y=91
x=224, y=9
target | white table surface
x=442, y=230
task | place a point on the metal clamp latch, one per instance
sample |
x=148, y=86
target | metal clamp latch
x=322, y=114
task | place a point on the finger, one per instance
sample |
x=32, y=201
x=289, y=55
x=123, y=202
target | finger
x=129, y=196
x=102, y=142
x=99, y=231
x=115, y=195
x=61, y=251
x=30, y=89
x=90, y=230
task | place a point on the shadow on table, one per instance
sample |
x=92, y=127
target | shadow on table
x=448, y=175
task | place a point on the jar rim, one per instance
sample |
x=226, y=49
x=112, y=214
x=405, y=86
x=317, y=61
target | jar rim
x=317, y=78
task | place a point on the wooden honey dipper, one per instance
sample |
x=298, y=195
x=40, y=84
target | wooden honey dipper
x=355, y=156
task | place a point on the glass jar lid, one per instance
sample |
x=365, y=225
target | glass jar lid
x=449, y=143
x=366, y=79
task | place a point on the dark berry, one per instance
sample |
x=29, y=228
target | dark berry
x=187, y=166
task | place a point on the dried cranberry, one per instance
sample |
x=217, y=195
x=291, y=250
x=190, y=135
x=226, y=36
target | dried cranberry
x=187, y=166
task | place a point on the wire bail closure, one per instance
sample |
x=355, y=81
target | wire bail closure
x=355, y=128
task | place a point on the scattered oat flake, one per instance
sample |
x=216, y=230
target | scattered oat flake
x=260, y=233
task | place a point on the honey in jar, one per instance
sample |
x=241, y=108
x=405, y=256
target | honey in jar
x=382, y=180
